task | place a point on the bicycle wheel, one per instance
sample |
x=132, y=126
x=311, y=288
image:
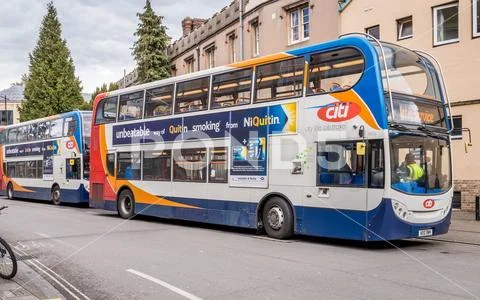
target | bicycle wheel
x=8, y=261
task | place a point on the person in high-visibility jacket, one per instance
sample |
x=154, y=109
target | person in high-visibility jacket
x=415, y=172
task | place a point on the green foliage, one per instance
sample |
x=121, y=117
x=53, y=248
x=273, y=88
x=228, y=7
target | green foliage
x=150, y=49
x=50, y=86
x=112, y=86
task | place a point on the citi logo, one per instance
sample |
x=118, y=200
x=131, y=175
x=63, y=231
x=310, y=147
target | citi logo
x=70, y=145
x=339, y=111
x=429, y=203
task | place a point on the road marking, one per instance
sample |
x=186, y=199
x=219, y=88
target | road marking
x=165, y=285
x=55, y=277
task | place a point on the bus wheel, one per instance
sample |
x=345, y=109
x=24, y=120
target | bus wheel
x=126, y=204
x=278, y=218
x=55, y=196
x=10, y=191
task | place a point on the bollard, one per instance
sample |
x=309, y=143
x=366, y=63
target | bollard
x=477, y=208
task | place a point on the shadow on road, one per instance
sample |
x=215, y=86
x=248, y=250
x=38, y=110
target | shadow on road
x=361, y=245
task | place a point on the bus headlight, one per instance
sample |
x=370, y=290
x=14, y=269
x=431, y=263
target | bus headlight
x=400, y=210
x=446, y=210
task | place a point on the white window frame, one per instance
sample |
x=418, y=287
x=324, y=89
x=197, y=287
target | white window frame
x=300, y=25
x=435, y=25
x=475, y=18
x=232, y=51
x=400, y=24
x=210, y=57
x=256, y=39
x=189, y=65
x=457, y=136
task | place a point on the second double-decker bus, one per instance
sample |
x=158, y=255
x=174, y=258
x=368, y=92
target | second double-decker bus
x=346, y=139
x=48, y=159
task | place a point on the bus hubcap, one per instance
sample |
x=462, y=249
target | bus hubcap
x=56, y=194
x=128, y=204
x=275, y=217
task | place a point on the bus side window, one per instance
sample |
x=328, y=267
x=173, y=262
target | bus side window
x=192, y=95
x=111, y=164
x=159, y=101
x=279, y=80
x=232, y=88
x=377, y=164
x=339, y=165
x=70, y=125
x=106, y=111
x=334, y=71
x=130, y=106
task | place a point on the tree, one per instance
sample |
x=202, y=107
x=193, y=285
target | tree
x=112, y=86
x=150, y=48
x=50, y=86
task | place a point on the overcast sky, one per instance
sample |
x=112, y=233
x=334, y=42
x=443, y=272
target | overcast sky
x=99, y=33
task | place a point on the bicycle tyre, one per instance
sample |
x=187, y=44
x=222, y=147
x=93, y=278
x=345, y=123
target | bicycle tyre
x=7, y=274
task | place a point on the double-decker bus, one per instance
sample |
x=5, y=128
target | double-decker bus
x=48, y=159
x=346, y=139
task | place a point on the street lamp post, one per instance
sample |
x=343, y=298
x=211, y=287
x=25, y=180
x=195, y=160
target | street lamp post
x=5, y=110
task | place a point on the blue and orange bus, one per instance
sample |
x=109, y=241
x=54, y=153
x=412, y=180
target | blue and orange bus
x=48, y=159
x=345, y=139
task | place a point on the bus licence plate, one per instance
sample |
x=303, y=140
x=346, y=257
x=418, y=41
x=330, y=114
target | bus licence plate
x=425, y=232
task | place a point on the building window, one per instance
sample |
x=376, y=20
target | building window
x=210, y=57
x=405, y=28
x=476, y=17
x=457, y=128
x=445, y=20
x=299, y=24
x=256, y=39
x=374, y=31
x=189, y=65
x=232, y=51
x=6, y=117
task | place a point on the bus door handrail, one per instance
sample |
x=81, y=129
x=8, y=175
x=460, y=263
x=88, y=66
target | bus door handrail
x=423, y=53
x=392, y=111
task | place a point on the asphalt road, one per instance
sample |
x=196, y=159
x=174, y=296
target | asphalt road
x=105, y=257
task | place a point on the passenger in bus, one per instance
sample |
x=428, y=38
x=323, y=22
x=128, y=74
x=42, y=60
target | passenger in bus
x=334, y=87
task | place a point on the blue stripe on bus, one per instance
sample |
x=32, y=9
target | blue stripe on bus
x=79, y=195
x=377, y=224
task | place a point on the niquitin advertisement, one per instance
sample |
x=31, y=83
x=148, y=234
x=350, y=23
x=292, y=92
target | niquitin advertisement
x=248, y=130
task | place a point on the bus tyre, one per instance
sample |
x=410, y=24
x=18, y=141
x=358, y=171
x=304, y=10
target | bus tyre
x=278, y=218
x=126, y=204
x=10, y=191
x=55, y=196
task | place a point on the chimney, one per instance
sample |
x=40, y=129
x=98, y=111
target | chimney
x=189, y=25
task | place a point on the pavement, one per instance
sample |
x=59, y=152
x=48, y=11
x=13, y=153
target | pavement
x=76, y=253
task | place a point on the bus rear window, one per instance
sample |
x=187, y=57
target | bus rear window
x=334, y=71
x=279, y=80
x=106, y=111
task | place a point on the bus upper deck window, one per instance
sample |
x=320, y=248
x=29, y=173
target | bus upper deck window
x=106, y=111
x=12, y=135
x=130, y=106
x=279, y=80
x=232, y=88
x=159, y=101
x=334, y=71
x=192, y=95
